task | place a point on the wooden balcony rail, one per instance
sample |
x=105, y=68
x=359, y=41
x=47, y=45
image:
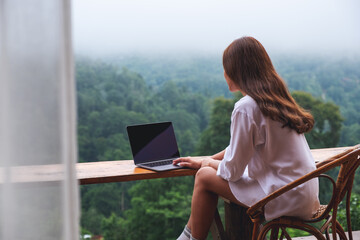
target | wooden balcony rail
x=111, y=171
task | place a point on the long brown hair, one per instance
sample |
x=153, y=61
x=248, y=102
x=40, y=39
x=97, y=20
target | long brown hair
x=248, y=65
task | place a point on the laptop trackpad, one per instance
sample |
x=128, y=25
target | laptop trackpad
x=161, y=167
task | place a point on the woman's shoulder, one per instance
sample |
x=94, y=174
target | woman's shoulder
x=246, y=104
x=248, y=107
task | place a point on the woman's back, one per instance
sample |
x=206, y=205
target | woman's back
x=280, y=155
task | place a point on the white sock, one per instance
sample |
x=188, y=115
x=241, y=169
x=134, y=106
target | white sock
x=192, y=238
x=185, y=235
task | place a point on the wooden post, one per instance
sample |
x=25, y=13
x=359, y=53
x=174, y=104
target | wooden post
x=217, y=229
x=238, y=224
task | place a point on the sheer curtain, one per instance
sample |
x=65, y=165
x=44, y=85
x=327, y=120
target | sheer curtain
x=38, y=187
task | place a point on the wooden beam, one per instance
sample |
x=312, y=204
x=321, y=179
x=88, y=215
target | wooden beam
x=111, y=171
x=121, y=171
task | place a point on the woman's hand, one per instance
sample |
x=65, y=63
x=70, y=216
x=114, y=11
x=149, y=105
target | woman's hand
x=194, y=162
x=190, y=162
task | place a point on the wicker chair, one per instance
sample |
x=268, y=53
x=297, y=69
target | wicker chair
x=348, y=161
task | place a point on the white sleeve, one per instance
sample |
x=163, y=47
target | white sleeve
x=243, y=135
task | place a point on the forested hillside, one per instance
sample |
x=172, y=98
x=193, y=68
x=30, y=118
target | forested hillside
x=331, y=79
x=110, y=98
x=190, y=92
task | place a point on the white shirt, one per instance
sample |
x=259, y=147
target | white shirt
x=263, y=156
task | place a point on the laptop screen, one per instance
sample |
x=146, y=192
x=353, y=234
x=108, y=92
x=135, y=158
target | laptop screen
x=151, y=142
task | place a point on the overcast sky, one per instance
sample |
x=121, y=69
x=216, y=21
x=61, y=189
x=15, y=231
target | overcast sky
x=118, y=26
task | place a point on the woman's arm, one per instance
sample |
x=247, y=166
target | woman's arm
x=210, y=162
x=219, y=155
x=199, y=162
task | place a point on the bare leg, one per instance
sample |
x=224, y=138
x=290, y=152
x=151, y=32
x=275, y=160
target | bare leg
x=208, y=186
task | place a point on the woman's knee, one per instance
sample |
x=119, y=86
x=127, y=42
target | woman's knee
x=204, y=176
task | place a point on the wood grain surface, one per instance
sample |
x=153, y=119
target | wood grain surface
x=112, y=171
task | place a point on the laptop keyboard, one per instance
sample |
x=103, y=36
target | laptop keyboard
x=159, y=163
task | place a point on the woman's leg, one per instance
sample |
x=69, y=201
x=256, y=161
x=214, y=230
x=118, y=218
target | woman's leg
x=208, y=186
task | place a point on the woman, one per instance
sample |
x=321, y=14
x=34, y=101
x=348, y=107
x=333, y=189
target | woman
x=267, y=148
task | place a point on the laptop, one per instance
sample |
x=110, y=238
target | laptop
x=154, y=146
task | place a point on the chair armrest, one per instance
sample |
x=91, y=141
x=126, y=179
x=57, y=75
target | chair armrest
x=258, y=208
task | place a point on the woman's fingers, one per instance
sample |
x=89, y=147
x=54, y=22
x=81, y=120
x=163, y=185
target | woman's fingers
x=182, y=159
x=188, y=162
x=178, y=160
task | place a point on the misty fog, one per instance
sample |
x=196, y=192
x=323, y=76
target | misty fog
x=208, y=26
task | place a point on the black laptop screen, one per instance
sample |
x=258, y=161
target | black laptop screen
x=151, y=142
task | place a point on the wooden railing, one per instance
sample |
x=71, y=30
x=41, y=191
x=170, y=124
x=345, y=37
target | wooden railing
x=125, y=170
x=113, y=171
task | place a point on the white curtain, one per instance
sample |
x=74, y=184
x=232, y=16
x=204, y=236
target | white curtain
x=38, y=148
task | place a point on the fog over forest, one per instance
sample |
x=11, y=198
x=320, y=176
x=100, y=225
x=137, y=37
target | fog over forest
x=114, y=27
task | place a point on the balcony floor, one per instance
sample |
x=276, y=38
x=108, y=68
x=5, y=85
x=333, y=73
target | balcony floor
x=356, y=236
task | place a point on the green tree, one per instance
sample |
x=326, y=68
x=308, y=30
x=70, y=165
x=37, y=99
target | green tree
x=105, y=198
x=350, y=135
x=327, y=128
x=113, y=227
x=91, y=219
x=159, y=207
x=354, y=212
x=216, y=137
